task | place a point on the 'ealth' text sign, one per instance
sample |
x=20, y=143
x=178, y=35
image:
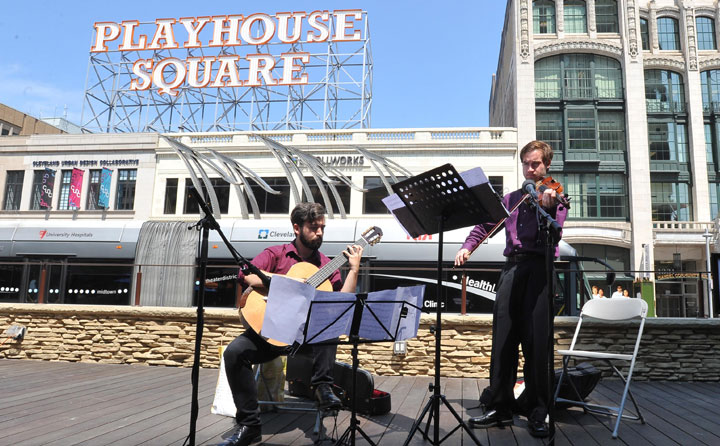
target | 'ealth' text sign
x=226, y=68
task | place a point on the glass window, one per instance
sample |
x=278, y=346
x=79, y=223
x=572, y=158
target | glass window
x=606, y=16
x=575, y=16
x=497, y=184
x=581, y=129
x=578, y=76
x=549, y=128
x=611, y=126
x=664, y=91
x=671, y=201
x=171, y=188
x=13, y=189
x=668, y=34
x=93, y=190
x=714, y=199
x=668, y=141
x=270, y=203
x=543, y=17
x=64, y=200
x=222, y=192
x=125, y=198
x=596, y=195
x=342, y=189
x=645, y=34
x=710, y=90
x=709, y=152
x=372, y=203
x=705, y=33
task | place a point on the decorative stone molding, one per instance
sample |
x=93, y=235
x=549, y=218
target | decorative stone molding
x=524, y=31
x=590, y=9
x=654, y=44
x=691, y=39
x=664, y=62
x=710, y=62
x=704, y=10
x=592, y=46
x=668, y=11
x=632, y=29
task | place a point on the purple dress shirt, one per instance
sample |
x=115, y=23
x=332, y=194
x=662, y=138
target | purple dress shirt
x=521, y=228
x=279, y=259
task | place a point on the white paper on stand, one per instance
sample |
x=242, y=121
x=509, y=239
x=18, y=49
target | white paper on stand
x=324, y=310
x=287, y=306
x=386, y=308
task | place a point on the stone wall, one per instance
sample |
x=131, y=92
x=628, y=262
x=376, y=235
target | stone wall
x=672, y=349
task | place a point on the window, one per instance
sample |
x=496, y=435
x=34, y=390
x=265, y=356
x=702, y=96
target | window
x=611, y=131
x=342, y=189
x=668, y=34
x=645, y=34
x=671, y=201
x=543, y=17
x=171, y=188
x=222, y=192
x=575, y=17
x=606, y=16
x=93, y=193
x=581, y=129
x=709, y=151
x=125, y=198
x=706, y=33
x=710, y=90
x=664, y=91
x=549, y=128
x=578, y=76
x=270, y=203
x=13, y=189
x=714, y=187
x=372, y=203
x=668, y=141
x=596, y=195
x=64, y=200
x=497, y=184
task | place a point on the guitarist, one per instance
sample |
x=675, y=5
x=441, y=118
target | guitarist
x=308, y=220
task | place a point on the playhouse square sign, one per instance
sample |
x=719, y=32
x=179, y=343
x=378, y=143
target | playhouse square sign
x=227, y=34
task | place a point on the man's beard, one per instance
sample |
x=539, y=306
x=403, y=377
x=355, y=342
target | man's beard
x=310, y=244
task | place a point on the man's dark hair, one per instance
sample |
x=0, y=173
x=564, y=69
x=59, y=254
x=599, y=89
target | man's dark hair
x=306, y=212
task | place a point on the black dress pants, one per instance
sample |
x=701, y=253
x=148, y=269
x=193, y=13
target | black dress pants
x=250, y=348
x=520, y=317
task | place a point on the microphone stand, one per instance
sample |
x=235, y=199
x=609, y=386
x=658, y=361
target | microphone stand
x=205, y=224
x=550, y=229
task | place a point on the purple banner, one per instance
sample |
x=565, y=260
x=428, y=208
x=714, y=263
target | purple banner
x=46, y=188
x=75, y=188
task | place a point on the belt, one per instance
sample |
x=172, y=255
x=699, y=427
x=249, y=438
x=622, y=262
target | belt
x=521, y=257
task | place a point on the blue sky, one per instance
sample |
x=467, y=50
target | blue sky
x=433, y=60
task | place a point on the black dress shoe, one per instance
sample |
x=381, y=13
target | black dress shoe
x=326, y=398
x=491, y=418
x=538, y=428
x=243, y=436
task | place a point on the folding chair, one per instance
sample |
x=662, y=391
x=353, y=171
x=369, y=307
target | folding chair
x=618, y=309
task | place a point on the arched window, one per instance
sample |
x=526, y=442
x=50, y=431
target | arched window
x=578, y=76
x=668, y=33
x=664, y=92
x=606, y=16
x=575, y=14
x=710, y=90
x=645, y=34
x=705, y=33
x=543, y=17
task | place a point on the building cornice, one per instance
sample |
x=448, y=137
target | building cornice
x=664, y=62
x=591, y=46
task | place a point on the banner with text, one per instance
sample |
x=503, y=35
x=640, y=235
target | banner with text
x=46, y=188
x=105, y=179
x=75, y=188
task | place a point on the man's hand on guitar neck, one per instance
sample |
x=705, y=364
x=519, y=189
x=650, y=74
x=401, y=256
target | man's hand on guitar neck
x=353, y=254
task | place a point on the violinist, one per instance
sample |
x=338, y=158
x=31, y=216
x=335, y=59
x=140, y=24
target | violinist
x=520, y=313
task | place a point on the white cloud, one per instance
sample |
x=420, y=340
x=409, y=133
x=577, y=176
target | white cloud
x=39, y=99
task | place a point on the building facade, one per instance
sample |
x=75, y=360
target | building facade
x=626, y=92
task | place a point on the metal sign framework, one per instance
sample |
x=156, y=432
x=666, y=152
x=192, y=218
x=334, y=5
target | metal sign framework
x=338, y=94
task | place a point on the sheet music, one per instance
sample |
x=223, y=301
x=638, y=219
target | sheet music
x=474, y=176
x=386, y=310
x=410, y=323
x=324, y=310
x=287, y=306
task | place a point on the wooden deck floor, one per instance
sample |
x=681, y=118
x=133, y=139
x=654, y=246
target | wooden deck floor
x=55, y=403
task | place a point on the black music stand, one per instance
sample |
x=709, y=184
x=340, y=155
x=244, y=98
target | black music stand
x=436, y=201
x=205, y=224
x=384, y=323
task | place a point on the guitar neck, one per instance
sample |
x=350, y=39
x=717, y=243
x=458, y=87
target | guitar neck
x=326, y=271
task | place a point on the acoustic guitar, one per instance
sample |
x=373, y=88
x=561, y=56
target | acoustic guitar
x=253, y=301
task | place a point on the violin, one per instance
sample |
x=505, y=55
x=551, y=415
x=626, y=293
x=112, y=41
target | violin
x=550, y=183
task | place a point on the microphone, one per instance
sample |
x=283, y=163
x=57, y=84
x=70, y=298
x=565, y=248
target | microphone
x=529, y=187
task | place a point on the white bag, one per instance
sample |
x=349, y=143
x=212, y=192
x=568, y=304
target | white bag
x=223, y=403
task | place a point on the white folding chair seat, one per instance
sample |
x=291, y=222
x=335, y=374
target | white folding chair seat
x=617, y=310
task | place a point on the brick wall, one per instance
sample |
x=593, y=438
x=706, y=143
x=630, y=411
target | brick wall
x=672, y=349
